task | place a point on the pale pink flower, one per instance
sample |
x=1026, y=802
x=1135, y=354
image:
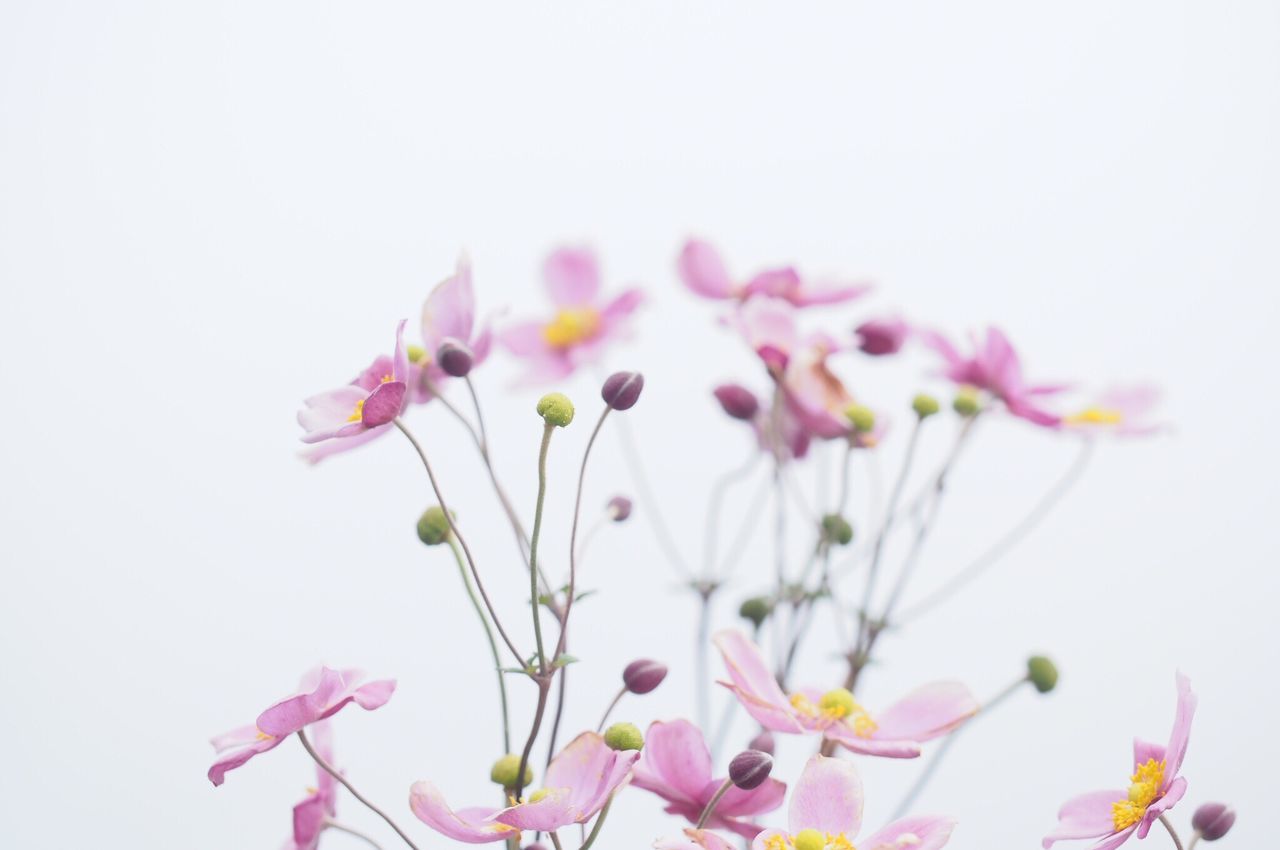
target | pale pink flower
x=1119, y=411
x=448, y=316
x=705, y=273
x=994, y=368
x=311, y=815
x=1114, y=816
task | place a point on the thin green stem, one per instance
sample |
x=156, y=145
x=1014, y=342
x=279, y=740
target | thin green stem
x=544, y=689
x=713, y=802
x=336, y=774
x=612, y=705
x=533, y=545
x=1173, y=833
x=573, y=531
x=493, y=643
x=595, y=828
x=555, y=840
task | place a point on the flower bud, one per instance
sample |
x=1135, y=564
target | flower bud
x=506, y=769
x=879, y=337
x=621, y=390
x=455, y=359
x=763, y=742
x=862, y=417
x=643, y=675
x=836, y=529
x=623, y=736
x=1213, y=820
x=1042, y=673
x=556, y=409
x=924, y=405
x=967, y=402
x=415, y=353
x=433, y=526
x=618, y=508
x=737, y=401
x=809, y=839
x=756, y=609
x=750, y=768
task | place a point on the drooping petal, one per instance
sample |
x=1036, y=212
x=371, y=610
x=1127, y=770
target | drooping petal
x=675, y=762
x=334, y=690
x=320, y=451
x=1181, y=733
x=827, y=797
x=923, y=832
x=450, y=309
x=754, y=684
x=704, y=272
x=470, y=826
x=926, y=713
x=237, y=757
x=1086, y=816
x=842, y=734
x=1172, y=794
x=572, y=276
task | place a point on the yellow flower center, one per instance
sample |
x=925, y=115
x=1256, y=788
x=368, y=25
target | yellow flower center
x=809, y=839
x=358, y=412
x=263, y=736
x=1095, y=416
x=1144, y=788
x=837, y=705
x=571, y=326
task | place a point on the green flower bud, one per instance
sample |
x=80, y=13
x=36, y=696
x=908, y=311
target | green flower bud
x=862, y=417
x=506, y=769
x=967, y=402
x=1042, y=673
x=623, y=736
x=756, y=609
x=836, y=529
x=556, y=409
x=924, y=405
x=415, y=352
x=433, y=526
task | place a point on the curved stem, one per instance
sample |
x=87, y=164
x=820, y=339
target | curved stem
x=332, y=771
x=612, y=705
x=713, y=802
x=342, y=827
x=547, y=430
x=555, y=721
x=573, y=532
x=544, y=688
x=555, y=840
x=595, y=828
x=1177, y=842
x=493, y=643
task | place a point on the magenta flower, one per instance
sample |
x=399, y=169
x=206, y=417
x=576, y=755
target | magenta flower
x=448, y=316
x=881, y=337
x=676, y=766
x=583, y=325
x=705, y=273
x=826, y=814
x=322, y=693
x=1120, y=411
x=579, y=781
x=311, y=815
x=994, y=368
x=926, y=713
x=1154, y=787
x=363, y=409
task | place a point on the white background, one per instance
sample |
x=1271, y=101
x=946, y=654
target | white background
x=209, y=211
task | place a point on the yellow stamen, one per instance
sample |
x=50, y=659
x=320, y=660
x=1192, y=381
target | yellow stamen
x=1144, y=788
x=1095, y=416
x=571, y=326
x=804, y=705
x=263, y=736
x=386, y=379
x=863, y=725
x=358, y=413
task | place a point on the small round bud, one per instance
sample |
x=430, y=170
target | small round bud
x=967, y=402
x=556, y=409
x=838, y=702
x=756, y=609
x=809, y=839
x=750, y=768
x=879, y=337
x=1213, y=820
x=506, y=769
x=621, y=390
x=455, y=359
x=763, y=742
x=1042, y=673
x=924, y=405
x=433, y=526
x=862, y=417
x=836, y=529
x=643, y=675
x=415, y=353
x=737, y=401
x=618, y=508
x=623, y=736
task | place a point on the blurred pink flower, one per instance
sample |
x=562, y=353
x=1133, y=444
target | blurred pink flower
x=705, y=273
x=676, y=765
x=881, y=337
x=1155, y=786
x=926, y=713
x=583, y=325
x=310, y=815
x=994, y=367
x=448, y=316
x=1120, y=411
x=322, y=693
x=826, y=812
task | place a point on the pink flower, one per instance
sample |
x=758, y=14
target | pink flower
x=880, y=337
x=322, y=693
x=583, y=324
x=448, y=316
x=1121, y=411
x=310, y=815
x=694, y=839
x=926, y=713
x=826, y=813
x=676, y=766
x=363, y=409
x=1154, y=787
x=704, y=272
x=579, y=781
x=994, y=368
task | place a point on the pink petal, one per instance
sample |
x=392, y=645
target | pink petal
x=828, y=293
x=1144, y=751
x=400, y=359
x=316, y=453
x=450, y=310
x=384, y=404
x=1177, y=749
x=694, y=839
x=572, y=277
x=325, y=415
x=620, y=307
x=1172, y=794
x=591, y=771
x=525, y=339
x=1114, y=841
x=767, y=324
x=761, y=841
x=470, y=826
x=739, y=803
x=703, y=271
x=1086, y=816
x=874, y=746
x=774, y=283
x=827, y=797
x=675, y=763
x=553, y=811
x=381, y=367
x=913, y=833
x=308, y=820
x=232, y=760
x=926, y=713
x=754, y=684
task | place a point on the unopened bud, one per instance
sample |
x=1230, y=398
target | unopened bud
x=967, y=402
x=455, y=359
x=763, y=742
x=924, y=405
x=618, y=508
x=506, y=769
x=836, y=529
x=862, y=417
x=643, y=675
x=556, y=409
x=756, y=609
x=1213, y=820
x=621, y=390
x=737, y=401
x=879, y=337
x=1042, y=673
x=623, y=736
x=750, y=768
x=433, y=526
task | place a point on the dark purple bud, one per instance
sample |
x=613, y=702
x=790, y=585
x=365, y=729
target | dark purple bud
x=763, y=742
x=643, y=675
x=750, y=768
x=879, y=337
x=621, y=390
x=455, y=359
x=1213, y=820
x=737, y=401
x=618, y=508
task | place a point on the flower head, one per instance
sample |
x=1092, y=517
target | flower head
x=994, y=368
x=1119, y=411
x=704, y=272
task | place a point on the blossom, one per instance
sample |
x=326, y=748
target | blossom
x=926, y=713
x=826, y=813
x=1154, y=787
x=360, y=411
x=584, y=322
x=880, y=337
x=677, y=767
x=311, y=815
x=1121, y=411
x=448, y=316
x=579, y=781
x=994, y=367
x=322, y=693
x=705, y=273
